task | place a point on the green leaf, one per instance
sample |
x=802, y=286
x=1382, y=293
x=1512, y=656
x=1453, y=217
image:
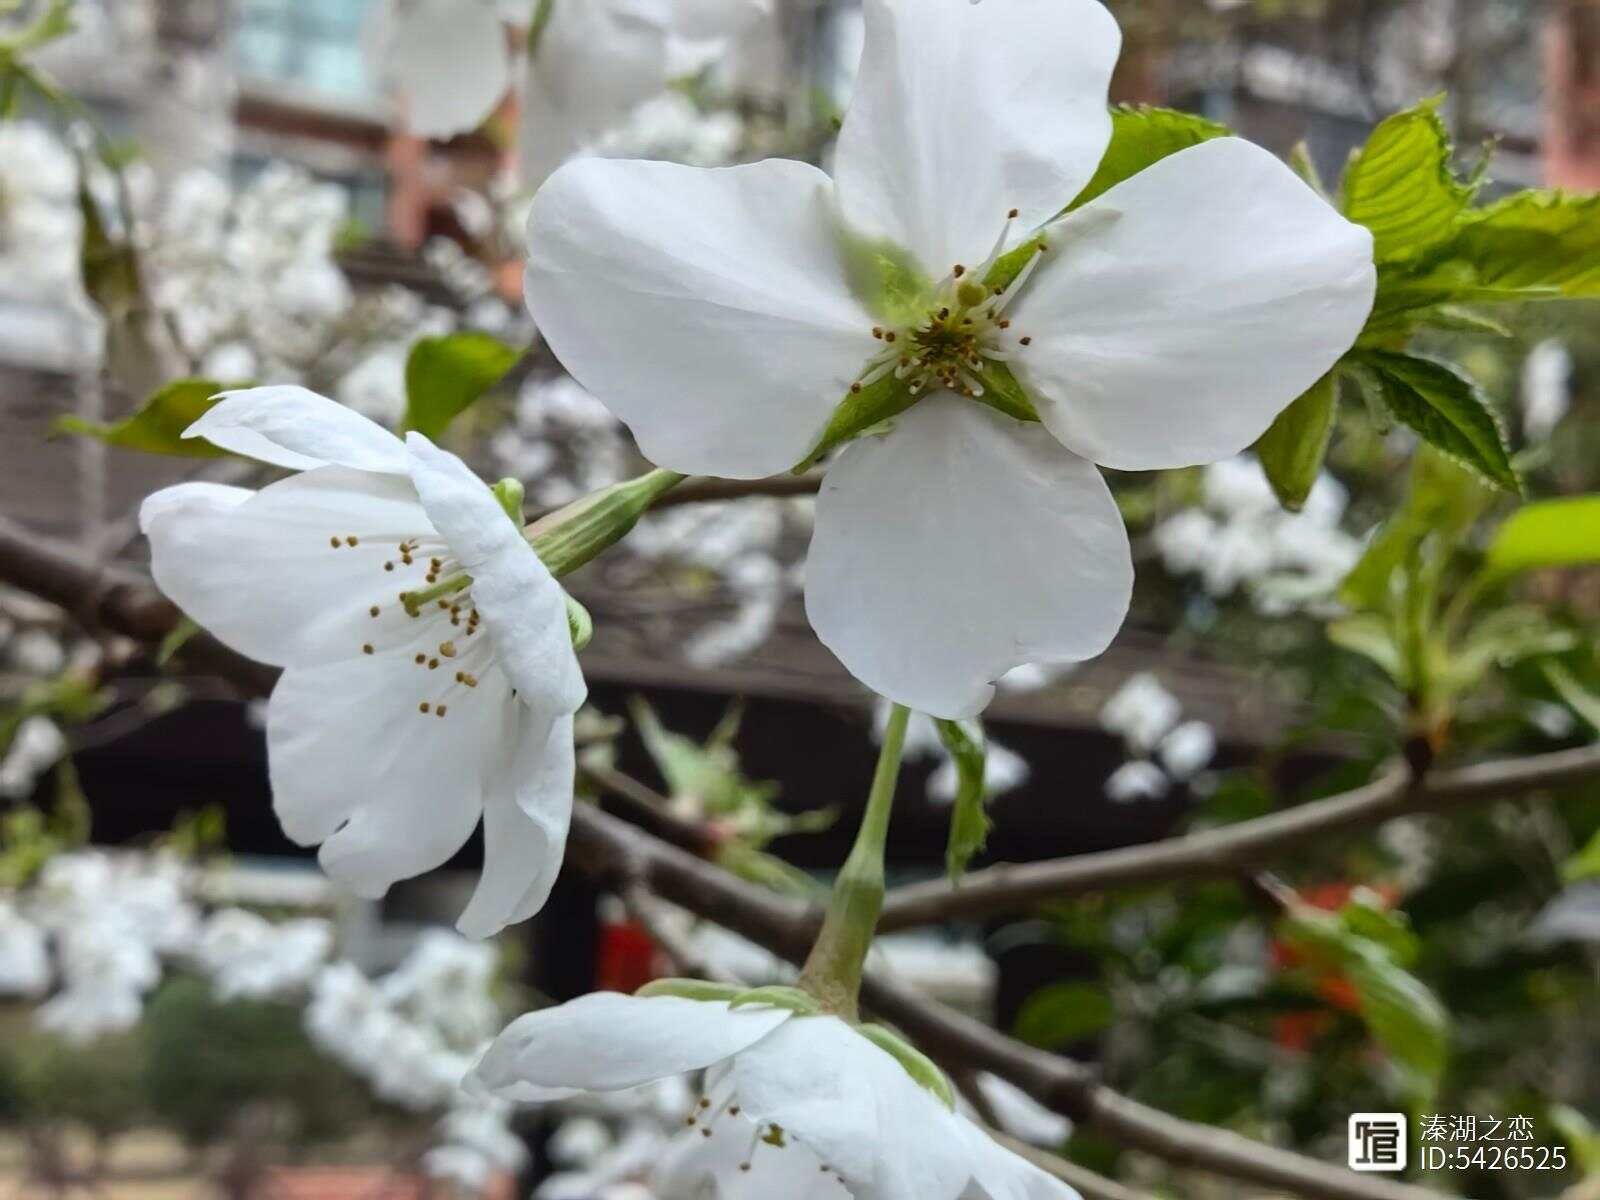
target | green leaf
x=1369, y=634
x=1549, y=533
x=1292, y=449
x=175, y=640
x=1453, y=318
x=446, y=375
x=1585, y=864
x=1503, y=638
x=1061, y=1013
x=969, y=822
x=1400, y=185
x=1142, y=136
x=1400, y=1013
x=1543, y=243
x=1573, y=693
x=157, y=428
x=1444, y=405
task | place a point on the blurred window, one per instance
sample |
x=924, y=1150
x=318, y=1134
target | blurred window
x=312, y=43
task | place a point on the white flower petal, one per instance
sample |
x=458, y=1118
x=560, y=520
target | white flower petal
x=292, y=427
x=391, y=791
x=709, y=309
x=520, y=601
x=605, y=1042
x=965, y=111
x=1203, y=296
x=450, y=56
x=854, y=1107
x=998, y=1174
x=260, y=571
x=957, y=546
x=525, y=818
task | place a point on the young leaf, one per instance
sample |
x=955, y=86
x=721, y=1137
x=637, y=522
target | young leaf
x=1442, y=404
x=1503, y=638
x=969, y=823
x=1291, y=451
x=1578, y=698
x=157, y=427
x=1546, y=243
x=1550, y=533
x=446, y=375
x=1142, y=136
x=1061, y=1013
x=1400, y=185
x=1369, y=635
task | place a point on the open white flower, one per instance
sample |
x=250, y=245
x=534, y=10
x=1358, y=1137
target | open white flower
x=778, y=1084
x=396, y=724
x=726, y=314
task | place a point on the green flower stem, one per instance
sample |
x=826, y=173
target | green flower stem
x=570, y=537
x=833, y=970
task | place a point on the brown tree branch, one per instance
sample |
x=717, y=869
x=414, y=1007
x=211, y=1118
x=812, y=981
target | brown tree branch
x=613, y=850
x=1231, y=848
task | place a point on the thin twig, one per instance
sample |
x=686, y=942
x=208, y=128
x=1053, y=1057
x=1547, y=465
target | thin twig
x=1216, y=852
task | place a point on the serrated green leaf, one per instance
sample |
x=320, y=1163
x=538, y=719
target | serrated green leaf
x=1548, y=533
x=446, y=375
x=157, y=427
x=969, y=820
x=1445, y=406
x=1142, y=136
x=1062, y=1013
x=1401, y=186
x=1293, y=447
x=1540, y=243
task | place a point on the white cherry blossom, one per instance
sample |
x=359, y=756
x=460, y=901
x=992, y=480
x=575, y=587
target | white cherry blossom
x=725, y=315
x=24, y=955
x=778, y=1084
x=450, y=58
x=396, y=724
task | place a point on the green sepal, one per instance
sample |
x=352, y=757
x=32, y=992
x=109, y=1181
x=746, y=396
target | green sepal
x=579, y=623
x=887, y=279
x=1009, y=265
x=917, y=1064
x=511, y=494
x=157, y=427
x=1293, y=447
x=1003, y=393
x=691, y=989
x=778, y=996
x=969, y=822
x=858, y=412
x=569, y=537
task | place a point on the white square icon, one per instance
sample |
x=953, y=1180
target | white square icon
x=1378, y=1141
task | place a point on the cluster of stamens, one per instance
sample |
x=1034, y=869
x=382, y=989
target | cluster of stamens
x=705, y=1116
x=445, y=595
x=965, y=326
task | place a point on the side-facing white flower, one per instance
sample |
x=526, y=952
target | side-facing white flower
x=728, y=315
x=450, y=59
x=395, y=725
x=778, y=1083
x=595, y=61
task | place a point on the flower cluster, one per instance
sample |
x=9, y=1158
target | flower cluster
x=1166, y=748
